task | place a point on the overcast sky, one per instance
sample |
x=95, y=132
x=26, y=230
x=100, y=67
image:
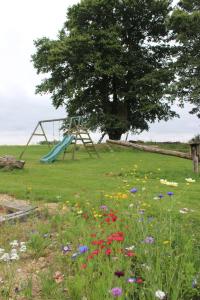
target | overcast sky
x=21, y=22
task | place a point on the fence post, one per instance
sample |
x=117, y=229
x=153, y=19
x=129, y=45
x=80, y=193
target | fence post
x=195, y=147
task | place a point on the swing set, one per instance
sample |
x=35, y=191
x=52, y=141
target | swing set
x=74, y=131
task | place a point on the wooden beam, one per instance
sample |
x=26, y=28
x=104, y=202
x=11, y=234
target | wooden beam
x=150, y=149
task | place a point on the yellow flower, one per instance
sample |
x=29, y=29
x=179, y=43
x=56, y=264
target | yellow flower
x=169, y=183
x=190, y=180
x=166, y=242
x=124, y=196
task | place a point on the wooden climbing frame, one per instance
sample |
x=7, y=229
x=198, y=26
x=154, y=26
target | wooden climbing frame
x=36, y=133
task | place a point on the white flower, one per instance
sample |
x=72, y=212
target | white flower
x=5, y=257
x=2, y=251
x=14, y=256
x=130, y=248
x=184, y=210
x=13, y=251
x=190, y=180
x=145, y=266
x=131, y=205
x=14, y=244
x=22, y=248
x=160, y=294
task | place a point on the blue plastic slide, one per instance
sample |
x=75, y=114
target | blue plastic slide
x=57, y=149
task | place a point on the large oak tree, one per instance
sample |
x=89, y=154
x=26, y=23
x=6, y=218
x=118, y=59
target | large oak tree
x=111, y=63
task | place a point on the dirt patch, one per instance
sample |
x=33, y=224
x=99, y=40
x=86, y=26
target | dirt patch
x=16, y=275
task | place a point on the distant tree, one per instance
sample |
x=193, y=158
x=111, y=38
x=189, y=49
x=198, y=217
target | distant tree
x=111, y=63
x=185, y=22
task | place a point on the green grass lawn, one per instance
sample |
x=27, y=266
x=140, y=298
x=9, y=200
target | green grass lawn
x=162, y=234
x=88, y=178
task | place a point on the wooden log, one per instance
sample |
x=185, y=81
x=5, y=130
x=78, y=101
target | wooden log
x=10, y=162
x=151, y=149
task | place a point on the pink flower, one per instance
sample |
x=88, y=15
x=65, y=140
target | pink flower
x=116, y=292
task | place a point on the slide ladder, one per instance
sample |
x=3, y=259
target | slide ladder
x=81, y=134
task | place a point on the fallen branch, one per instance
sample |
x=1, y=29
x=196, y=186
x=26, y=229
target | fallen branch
x=151, y=149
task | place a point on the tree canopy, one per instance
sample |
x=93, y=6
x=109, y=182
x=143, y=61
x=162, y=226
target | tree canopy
x=110, y=63
x=185, y=22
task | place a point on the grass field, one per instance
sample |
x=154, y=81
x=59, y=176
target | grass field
x=103, y=241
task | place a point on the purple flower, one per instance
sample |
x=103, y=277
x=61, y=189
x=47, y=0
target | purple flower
x=131, y=280
x=103, y=207
x=83, y=249
x=160, y=196
x=170, y=194
x=116, y=291
x=119, y=273
x=149, y=240
x=133, y=190
x=66, y=249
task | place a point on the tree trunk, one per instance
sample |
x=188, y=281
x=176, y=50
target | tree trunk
x=151, y=149
x=9, y=163
x=115, y=133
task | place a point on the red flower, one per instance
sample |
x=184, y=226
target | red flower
x=83, y=266
x=110, y=217
x=95, y=252
x=108, y=251
x=130, y=253
x=139, y=280
x=113, y=216
x=98, y=242
x=102, y=246
x=118, y=236
x=109, y=242
x=107, y=220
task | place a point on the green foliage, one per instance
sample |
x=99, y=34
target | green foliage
x=185, y=21
x=110, y=64
x=38, y=244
